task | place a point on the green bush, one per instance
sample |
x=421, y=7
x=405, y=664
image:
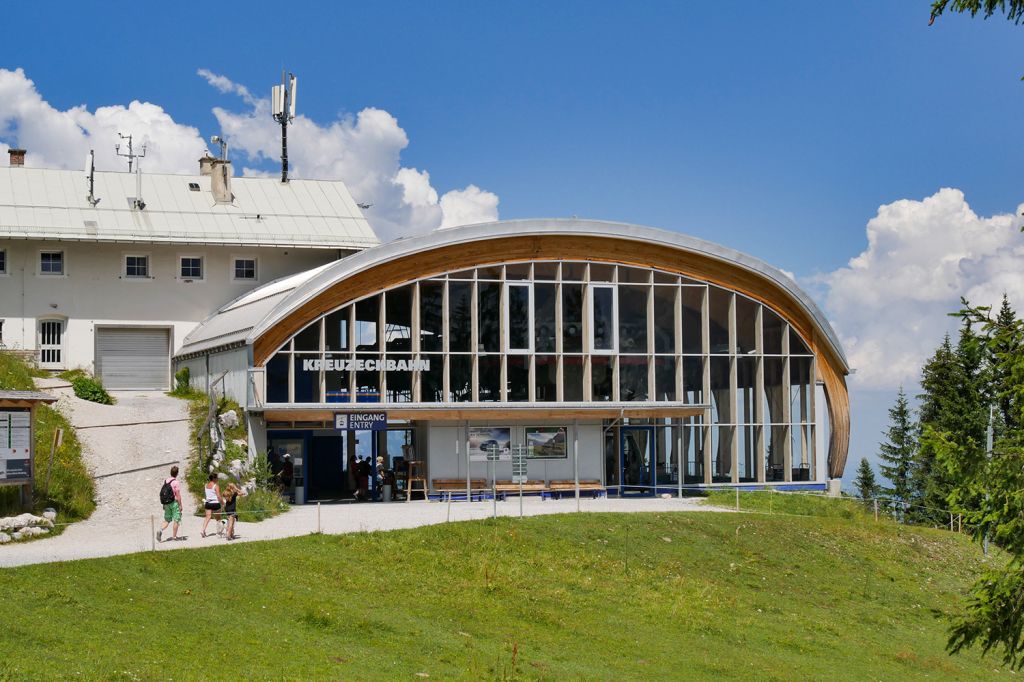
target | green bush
x=182, y=385
x=260, y=504
x=89, y=388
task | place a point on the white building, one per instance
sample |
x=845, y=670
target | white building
x=112, y=282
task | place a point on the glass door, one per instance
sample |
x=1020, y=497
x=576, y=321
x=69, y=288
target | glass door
x=636, y=443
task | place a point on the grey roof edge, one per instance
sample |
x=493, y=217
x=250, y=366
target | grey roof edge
x=364, y=260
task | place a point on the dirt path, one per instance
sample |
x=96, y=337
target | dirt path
x=143, y=434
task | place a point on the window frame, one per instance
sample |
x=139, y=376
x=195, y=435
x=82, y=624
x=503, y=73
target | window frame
x=506, y=314
x=63, y=263
x=124, y=266
x=255, y=269
x=592, y=349
x=202, y=267
x=3, y=263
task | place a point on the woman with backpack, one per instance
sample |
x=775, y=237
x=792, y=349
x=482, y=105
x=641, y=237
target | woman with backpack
x=212, y=502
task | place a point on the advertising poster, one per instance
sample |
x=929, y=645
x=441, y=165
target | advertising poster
x=483, y=438
x=546, y=442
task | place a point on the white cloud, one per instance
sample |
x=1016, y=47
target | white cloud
x=890, y=304
x=61, y=139
x=468, y=206
x=364, y=151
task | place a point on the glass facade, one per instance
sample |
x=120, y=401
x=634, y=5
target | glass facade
x=577, y=332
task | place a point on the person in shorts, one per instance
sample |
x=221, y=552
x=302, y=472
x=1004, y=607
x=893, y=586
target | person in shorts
x=231, y=496
x=172, y=510
x=212, y=501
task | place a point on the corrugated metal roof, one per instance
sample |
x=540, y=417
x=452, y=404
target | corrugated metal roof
x=41, y=203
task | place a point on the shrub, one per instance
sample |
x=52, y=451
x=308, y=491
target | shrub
x=182, y=384
x=89, y=388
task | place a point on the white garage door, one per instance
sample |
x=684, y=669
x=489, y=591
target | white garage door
x=133, y=358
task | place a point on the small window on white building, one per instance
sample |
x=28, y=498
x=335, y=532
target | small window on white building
x=3, y=262
x=136, y=266
x=191, y=267
x=51, y=263
x=245, y=269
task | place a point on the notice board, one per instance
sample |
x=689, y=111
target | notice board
x=15, y=444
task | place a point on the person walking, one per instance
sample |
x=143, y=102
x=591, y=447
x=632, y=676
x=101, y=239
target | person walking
x=231, y=496
x=170, y=498
x=212, y=501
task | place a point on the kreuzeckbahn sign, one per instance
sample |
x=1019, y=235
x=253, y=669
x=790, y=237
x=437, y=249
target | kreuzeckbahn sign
x=361, y=421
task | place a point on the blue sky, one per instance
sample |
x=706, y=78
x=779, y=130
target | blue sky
x=775, y=128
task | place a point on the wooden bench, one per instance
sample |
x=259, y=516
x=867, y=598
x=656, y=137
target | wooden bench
x=444, y=488
x=593, y=487
x=532, y=487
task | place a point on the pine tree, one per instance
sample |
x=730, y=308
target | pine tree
x=865, y=483
x=897, y=453
x=953, y=405
x=1000, y=346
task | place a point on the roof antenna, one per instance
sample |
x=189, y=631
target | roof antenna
x=90, y=170
x=282, y=98
x=136, y=202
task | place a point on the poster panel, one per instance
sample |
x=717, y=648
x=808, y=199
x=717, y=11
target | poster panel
x=483, y=438
x=546, y=442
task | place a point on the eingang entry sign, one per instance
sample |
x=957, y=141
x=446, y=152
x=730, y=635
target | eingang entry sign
x=361, y=421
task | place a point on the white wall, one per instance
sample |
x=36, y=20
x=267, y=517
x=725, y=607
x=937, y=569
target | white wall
x=93, y=290
x=442, y=461
x=235, y=362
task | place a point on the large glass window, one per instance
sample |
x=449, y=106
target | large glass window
x=336, y=329
x=461, y=376
x=718, y=325
x=367, y=324
x=572, y=318
x=489, y=317
x=665, y=377
x=665, y=319
x=632, y=378
x=546, y=378
x=431, y=316
x=544, y=299
x=602, y=319
x=460, y=317
x=601, y=378
x=518, y=317
x=432, y=379
x=693, y=301
x=572, y=377
x=490, y=378
x=632, y=319
x=398, y=320
x=518, y=385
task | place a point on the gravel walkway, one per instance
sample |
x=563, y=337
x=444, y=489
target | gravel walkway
x=146, y=432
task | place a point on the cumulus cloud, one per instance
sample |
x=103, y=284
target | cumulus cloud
x=890, y=304
x=58, y=138
x=364, y=151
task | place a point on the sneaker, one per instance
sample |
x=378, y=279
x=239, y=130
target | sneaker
x=159, y=535
x=202, y=533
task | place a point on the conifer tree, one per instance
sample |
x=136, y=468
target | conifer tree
x=865, y=483
x=897, y=453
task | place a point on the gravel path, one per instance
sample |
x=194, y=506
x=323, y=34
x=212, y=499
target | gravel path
x=145, y=431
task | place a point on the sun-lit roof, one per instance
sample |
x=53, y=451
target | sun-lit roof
x=39, y=203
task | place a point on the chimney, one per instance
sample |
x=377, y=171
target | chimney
x=17, y=157
x=206, y=165
x=220, y=181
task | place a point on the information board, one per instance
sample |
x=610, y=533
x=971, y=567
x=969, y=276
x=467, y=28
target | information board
x=519, y=464
x=15, y=445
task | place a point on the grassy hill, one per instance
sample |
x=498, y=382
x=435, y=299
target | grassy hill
x=594, y=596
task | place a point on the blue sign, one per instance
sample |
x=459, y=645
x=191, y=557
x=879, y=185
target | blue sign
x=361, y=421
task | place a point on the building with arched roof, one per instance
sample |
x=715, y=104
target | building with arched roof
x=606, y=356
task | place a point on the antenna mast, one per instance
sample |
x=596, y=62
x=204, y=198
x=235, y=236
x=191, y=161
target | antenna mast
x=138, y=203
x=282, y=99
x=90, y=171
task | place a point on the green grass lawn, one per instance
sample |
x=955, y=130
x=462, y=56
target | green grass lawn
x=589, y=596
